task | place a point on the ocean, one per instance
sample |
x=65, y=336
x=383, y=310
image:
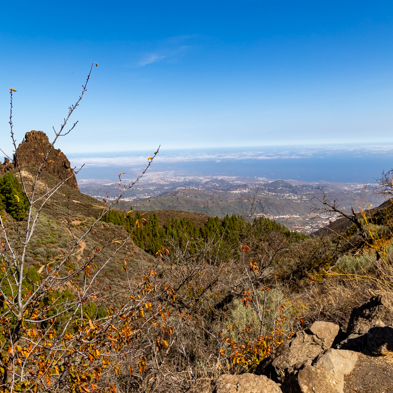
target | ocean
x=344, y=163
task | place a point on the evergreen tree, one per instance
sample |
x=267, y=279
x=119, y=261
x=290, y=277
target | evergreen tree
x=230, y=231
x=12, y=198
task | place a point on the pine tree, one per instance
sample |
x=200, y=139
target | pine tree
x=12, y=198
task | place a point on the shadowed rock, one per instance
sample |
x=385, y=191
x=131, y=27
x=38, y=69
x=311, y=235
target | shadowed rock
x=377, y=341
x=377, y=312
x=367, y=330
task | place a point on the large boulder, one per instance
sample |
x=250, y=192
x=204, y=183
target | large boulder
x=326, y=375
x=301, y=350
x=246, y=383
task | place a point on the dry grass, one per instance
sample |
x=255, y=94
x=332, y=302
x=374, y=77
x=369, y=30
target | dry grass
x=66, y=216
x=334, y=298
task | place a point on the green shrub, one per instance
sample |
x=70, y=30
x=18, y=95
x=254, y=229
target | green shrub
x=32, y=275
x=63, y=243
x=40, y=252
x=12, y=198
x=51, y=252
x=356, y=263
x=92, y=311
x=244, y=322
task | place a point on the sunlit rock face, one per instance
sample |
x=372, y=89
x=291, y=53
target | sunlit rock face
x=33, y=150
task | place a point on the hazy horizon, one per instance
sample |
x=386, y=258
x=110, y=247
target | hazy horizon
x=203, y=74
x=340, y=163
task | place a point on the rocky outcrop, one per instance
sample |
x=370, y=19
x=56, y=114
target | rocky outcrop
x=246, y=383
x=6, y=166
x=301, y=350
x=317, y=359
x=370, y=327
x=377, y=312
x=32, y=151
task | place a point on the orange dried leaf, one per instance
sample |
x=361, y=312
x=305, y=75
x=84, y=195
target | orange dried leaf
x=91, y=324
x=142, y=365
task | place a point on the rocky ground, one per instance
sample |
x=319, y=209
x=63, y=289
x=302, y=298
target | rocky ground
x=322, y=359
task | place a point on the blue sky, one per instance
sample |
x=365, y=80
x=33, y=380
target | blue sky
x=197, y=74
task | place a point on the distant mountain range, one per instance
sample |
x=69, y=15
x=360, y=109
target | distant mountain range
x=290, y=202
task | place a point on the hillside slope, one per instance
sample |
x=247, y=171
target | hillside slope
x=66, y=216
x=382, y=214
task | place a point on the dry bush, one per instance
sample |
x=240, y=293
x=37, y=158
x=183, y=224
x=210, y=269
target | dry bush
x=68, y=326
x=227, y=315
x=360, y=266
x=56, y=333
x=333, y=299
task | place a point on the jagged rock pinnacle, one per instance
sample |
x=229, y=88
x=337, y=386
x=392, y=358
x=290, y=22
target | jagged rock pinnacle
x=31, y=152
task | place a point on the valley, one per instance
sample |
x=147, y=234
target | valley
x=164, y=267
x=289, y=202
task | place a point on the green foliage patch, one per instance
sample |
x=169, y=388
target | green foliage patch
x=149, y=235
x=12, y=198
x=244, y=322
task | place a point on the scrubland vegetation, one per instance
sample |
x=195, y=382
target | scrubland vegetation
x=83, y=308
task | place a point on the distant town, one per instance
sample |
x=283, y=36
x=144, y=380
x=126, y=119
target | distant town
x=312, y=223
x=293, y=203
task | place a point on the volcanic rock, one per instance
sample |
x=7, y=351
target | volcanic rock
x=303, y=348
x=327, y=375
x=33, y=150
x=377, y=312
x=246, y=383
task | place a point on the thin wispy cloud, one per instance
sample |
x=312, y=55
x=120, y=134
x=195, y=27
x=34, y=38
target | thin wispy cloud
x=150, y=59
x=132, y=159
x=197, y=157
x=169, y=50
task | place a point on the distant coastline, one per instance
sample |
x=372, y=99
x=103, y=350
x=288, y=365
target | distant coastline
x=344, y=163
